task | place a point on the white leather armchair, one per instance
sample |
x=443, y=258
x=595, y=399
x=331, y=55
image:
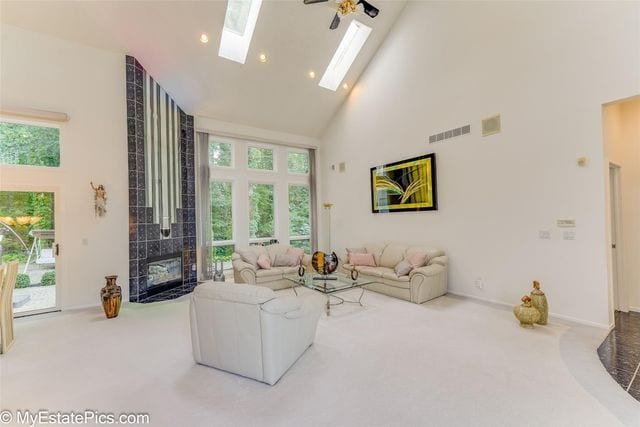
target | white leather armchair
x=249, y=330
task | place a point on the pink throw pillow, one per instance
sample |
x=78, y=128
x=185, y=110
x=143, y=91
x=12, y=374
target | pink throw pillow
x=264, y=262
x=362, y=259
x=418, y=259
x=297, y=252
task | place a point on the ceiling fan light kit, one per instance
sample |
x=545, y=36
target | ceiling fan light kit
x=346, y=7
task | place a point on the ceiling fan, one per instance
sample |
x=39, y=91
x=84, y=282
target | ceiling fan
x=346, y=7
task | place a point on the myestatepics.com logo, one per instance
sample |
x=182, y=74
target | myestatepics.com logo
x=88, y=416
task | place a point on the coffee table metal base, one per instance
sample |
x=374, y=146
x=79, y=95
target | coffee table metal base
x=340, y=299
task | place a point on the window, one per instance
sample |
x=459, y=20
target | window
x=300, y=217
x=29, y=145
x=260, y=158
x=261, y=211
x=220, y=153
x=298, y=162
x=221, y=211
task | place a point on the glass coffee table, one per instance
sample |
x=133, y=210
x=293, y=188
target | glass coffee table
x=329, y=286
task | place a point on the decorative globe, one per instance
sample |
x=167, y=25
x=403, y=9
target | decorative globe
x=324, y=263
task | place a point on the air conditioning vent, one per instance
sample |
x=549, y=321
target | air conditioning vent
x=451, y=133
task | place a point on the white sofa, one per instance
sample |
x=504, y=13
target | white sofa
x=422, y=284
x=248, y=330
x=273, y=278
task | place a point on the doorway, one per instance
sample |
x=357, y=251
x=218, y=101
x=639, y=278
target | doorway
x=27, y=235
x=620, y=302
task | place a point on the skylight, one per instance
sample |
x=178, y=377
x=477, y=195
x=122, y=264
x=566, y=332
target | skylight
x=239, y=23
x=349, y=47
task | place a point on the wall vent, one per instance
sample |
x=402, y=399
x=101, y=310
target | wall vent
x=491, y=125
x=451, y=133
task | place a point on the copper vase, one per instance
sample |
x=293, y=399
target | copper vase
x=111, y=296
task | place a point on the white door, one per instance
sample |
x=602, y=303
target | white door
x=619, y=297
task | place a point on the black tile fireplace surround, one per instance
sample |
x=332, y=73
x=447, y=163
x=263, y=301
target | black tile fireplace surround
x=145, y=237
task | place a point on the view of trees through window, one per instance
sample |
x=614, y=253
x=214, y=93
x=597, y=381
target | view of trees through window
x=260, y=158
x=219, y=153
x=22, y=144
x=298, y=162
x=261, y=211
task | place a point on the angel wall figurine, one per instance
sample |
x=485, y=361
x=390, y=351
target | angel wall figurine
x=100, y=199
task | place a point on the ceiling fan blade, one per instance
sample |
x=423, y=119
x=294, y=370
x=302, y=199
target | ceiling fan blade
x=335, y=22
x=369, y=9
x=314, y=1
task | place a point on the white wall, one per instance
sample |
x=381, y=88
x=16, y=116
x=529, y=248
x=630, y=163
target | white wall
x=622, y=147
x=547, y=69
x=47, y=73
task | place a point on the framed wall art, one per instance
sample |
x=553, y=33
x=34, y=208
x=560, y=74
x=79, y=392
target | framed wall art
x=407, y=185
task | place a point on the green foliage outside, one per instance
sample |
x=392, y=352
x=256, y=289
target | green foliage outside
x=219, y=153
x=16, y=204
x=261, y=211
x=48, y=278
x=297, y=162
x=222, y=252
x=302, y=244
x=221, y=210
x=260, y=158
x=22, y=280
x=299, y=204
x=29, y=145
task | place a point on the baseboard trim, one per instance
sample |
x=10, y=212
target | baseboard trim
x=635, y=309
x=551, y=315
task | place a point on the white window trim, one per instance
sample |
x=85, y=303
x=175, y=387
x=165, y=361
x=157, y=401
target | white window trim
x=222, y=140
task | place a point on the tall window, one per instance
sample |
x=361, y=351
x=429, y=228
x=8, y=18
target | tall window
x=257, y=192
x=29, y=145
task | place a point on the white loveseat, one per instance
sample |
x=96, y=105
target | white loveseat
x=248, y=330
x=420, y=285
x=273, y=278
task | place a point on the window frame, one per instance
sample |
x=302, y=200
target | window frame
x=274, y=157
x=222, y=140
x=303, y=151
x=37, y=123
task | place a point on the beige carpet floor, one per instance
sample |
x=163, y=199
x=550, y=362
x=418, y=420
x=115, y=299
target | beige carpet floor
x=449, y=362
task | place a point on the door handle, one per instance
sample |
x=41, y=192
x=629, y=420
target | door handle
x=57, y=250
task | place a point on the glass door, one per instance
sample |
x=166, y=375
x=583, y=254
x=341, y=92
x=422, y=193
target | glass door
x=27, y=235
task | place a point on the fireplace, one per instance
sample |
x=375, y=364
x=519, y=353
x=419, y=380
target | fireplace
x=164, y=272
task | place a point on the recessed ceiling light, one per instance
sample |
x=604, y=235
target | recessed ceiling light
x=345, y=86
x=239, y=23
x=204, y=38
x=262, y=57
x=312, y=74
x=349, y=47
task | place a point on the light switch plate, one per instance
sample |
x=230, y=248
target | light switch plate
x=544, y=234
x=569, y=235
x=566, y=223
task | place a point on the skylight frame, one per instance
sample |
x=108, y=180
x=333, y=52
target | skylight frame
x=350, y=46
x=233, y=45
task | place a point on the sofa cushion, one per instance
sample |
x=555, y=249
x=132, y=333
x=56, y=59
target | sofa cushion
x=299, y=252
x=392, y=279
x=376, y=250
x=250, y=257
x=418, y=259
x=273, y=271
x=431, y=252
x=236, y=292
x=362, y=259
x=276, y=249
x=403, y=268
x=360, y=250
x=393, y=253
x=264, y=262
x=286, y=260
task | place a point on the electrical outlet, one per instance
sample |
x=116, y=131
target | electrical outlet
x=569, y=235
x=479, y=283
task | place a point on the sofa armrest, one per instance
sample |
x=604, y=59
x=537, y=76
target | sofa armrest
x=439, y=260
x=306, y=261
x=243, y=272
x=428, y=270
x=282, y=305
x=310, y=305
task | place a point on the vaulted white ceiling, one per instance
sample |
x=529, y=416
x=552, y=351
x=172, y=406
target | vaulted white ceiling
x=164, y=36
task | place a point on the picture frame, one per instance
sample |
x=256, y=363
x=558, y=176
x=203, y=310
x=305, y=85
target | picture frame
x=405, y=186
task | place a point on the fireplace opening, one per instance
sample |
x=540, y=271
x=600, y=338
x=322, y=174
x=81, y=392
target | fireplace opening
x=164, y=272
